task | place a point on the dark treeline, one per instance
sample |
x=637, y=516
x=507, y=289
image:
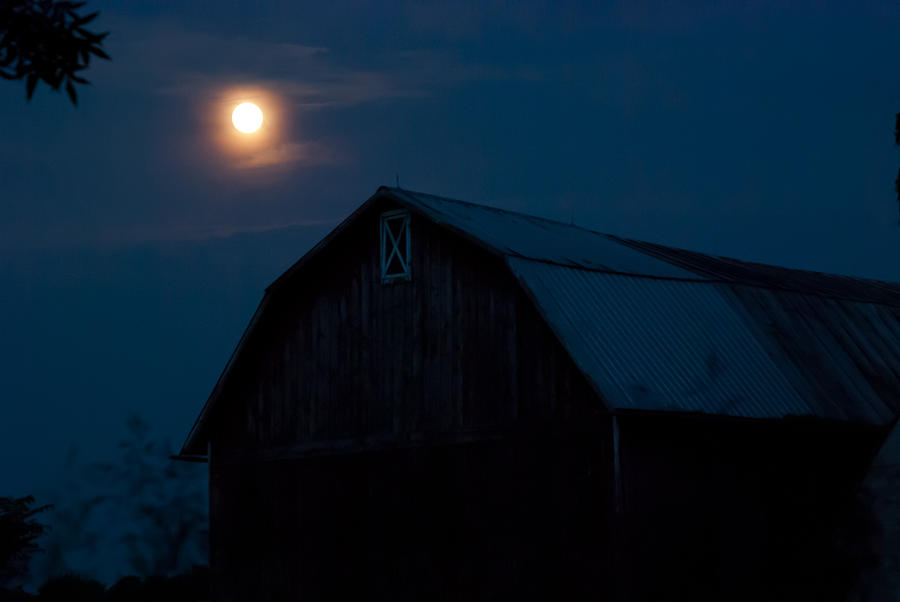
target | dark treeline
x=142, y=515
x=19, y=530
x=191, y=586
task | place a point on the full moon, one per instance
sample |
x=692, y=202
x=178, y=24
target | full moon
x=247, y=117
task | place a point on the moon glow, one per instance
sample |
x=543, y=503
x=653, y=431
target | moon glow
x=247, y=117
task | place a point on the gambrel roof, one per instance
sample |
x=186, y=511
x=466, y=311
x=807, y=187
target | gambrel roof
x=660, y=329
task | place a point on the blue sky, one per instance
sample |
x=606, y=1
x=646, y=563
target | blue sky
x=133, y=248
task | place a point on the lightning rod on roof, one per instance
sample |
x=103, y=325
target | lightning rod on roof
x=397, y=176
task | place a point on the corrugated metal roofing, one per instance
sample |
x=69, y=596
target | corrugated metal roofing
x=685, y=346
x=664, y=345
x=716, y=336
x=844, y=353
x=770, y=276
x=522, y=235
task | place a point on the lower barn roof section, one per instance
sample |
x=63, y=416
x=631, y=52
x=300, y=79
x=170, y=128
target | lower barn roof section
x=704, y=347
x=845, y=353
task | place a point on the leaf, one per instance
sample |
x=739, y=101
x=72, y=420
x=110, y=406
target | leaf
x=85, y=19
x=30, y=83
x=99, y=52
x=71, y=91
x=91, y=37
x=56, y=79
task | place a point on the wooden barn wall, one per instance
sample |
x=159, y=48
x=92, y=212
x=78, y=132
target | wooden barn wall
x=731, y=510
x=523, y=518
x=341, y=359
x=422, y=440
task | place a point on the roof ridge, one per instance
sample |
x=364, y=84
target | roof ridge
x=633, y=242
x=498, y=209
x=756, y=264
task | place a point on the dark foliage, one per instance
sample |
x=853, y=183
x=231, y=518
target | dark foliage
x=126, y=589
x=72, y=588
x=16, y=596
x=146, y=509
x=897, y=130
x=189, y=586
x=18, y=532
x=169, y=512
x=897, y=142
x=192, y=586
x=46, y=40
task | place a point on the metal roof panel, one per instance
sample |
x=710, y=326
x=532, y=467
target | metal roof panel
x=521, y=235
x=683, y=346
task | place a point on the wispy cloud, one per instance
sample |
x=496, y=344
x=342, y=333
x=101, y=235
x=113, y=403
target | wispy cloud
x=342, y=89
x=206, y=69
x=172, y=60
x=307, y=153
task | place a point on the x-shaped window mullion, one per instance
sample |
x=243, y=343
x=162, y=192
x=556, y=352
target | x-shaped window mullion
x=395, y=245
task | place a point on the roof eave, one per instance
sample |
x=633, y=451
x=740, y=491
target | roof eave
x=195, y=444
x=526, y=290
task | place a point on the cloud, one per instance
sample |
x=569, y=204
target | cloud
x=342, y=89
x=207, y=71
x=307, y=153
x=167, y=58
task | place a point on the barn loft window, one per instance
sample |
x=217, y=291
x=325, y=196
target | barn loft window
x=395, y=246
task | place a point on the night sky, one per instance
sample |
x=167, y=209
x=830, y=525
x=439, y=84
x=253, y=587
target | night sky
x=134, y=246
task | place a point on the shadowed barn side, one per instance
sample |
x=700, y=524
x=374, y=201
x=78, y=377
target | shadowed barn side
x=447, y=401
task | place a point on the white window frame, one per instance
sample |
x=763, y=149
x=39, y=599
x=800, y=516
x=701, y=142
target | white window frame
x=390, y=246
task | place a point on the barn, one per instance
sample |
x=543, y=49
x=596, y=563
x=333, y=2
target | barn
x=447, y=401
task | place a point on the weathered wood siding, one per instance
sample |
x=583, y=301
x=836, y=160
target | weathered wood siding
x=421, y=440
x=341, y=359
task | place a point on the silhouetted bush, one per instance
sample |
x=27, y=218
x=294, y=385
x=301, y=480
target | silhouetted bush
x=897, y=141
x=143, y=514
x=18, y=532
x=126, y=589
x=72, y=588
x=16, y=596
x=191, y=586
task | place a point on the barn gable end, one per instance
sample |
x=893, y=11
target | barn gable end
x=370, y=432
x=342, y=361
